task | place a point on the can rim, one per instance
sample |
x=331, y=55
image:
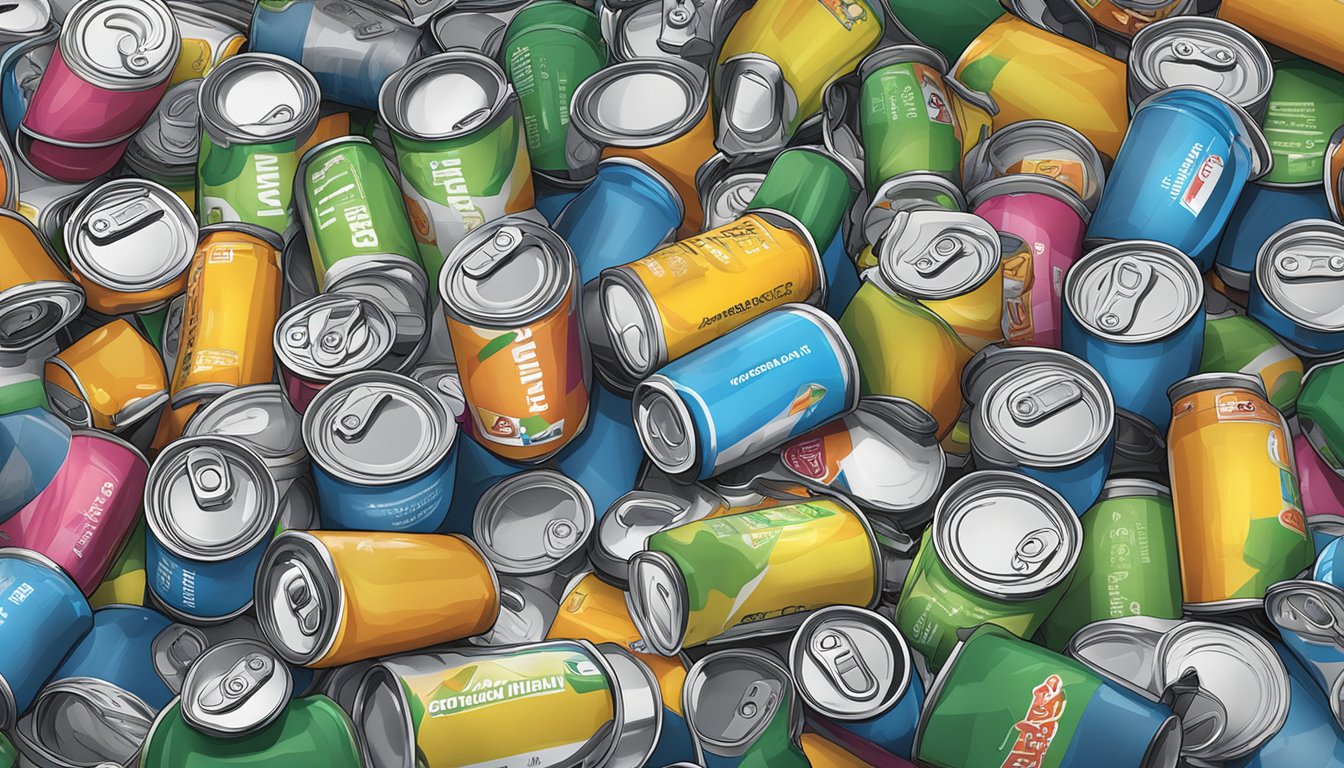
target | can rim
x=591, y=89
x=659, y=388
x=1202, y=382
x=696, y=674
x=296, y=544
x=905, y=53
x=89, y=269
x=1027, y=183
x=987, y=250
x=877, y=218
x=213, y=121
x=1267, y=283
x=880, y=625
x=188, y=712
x=620, y=284
x=561, y=276
x=487, y=509
x=1147, y=250
x=979, y=166
x=28, y=739
x=1130, y=487
x=309, y=370
x=392, y=94
x=71, y=48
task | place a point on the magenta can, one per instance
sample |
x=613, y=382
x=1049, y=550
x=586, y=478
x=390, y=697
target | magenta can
x=110, y=68
x=84, y=516
x=1322, y=489
x=1045, y=222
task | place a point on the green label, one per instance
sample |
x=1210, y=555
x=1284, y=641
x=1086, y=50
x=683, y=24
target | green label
x=775, y=748
x=908, y=124
x=311, y=731
x=546, y=62
x=947, y=27
x=809, y=186
x=1320, y=409
x=1306, y=105
x=253, y=184
x=1238, y=344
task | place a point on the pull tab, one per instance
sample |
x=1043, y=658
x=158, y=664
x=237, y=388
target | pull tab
x=208, y=473
x=357, y=413
x=341, y=331
x=1211, y=55
x=1035, y=549
x=941, y=252
x=472, y=118
x=754, y=703
x=280, y=115
x=297, y=584
x=1128, y=282
x=111, y=224
x=233, y=687
x=1030, y=405
x=835, y=654
x=494, y=253
x=177, y=123
x=1304, y=265
x=141, y=35
x=1203, y=717
x=559, y=537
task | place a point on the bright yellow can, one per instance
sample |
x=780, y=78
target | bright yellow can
x=1309, y=28
x=110, y=379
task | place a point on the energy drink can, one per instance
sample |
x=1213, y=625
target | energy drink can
x=328, y=336
x=1262, y=210
x=1196, y=50
x=1239, y=520
x=743, y=709
x=112, y=379
x=906, y=120
x=1305, y=28
x=1298, y=275
x=164, y=151
x=309, y=730
x=37, y=295
x=1043, y=148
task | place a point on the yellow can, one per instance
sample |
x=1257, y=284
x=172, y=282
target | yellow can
x=110, y=379
x=207, y=40
x=37, y=295
x=1309, y=28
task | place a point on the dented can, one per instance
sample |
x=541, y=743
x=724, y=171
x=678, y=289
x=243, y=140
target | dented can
x=112, y=379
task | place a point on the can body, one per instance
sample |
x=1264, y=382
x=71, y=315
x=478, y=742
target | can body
x=251, y=183
x=1261, y=210
x=112, y=379
x=417, y=505
x=605, y=457
x=1235, y=343
x=119, y=649
x=906, y=118
x=625, y=212
x=1305, y=28
x=37, y=295
x=948, y=29
x=1309, y=735
x=201, y=591
x=1322, y=489
x=311, y=730
x=1319, y=413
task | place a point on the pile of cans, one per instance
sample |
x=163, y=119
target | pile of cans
x=773, y=383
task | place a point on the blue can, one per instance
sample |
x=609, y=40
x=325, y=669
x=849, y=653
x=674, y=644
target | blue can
x=1134, y=311
x=384, y=453
x=623, y=214
x=33, y=447
x=605, y=457
x=746, y=393
x=211, y=508
x=1042, y=413
x=1310, y=618
x=1261, y=211
x=1185, y=159
x=1299, y=286
x=1310, y=736
x=478, y=468
x=552, y=195
x=842, y=276
x=43, y=616
x=119, y=649
x=1329, y=566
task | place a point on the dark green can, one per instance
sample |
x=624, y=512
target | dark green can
x=947, y=26
x=810, y=185
x=907, y=121
x=312, y=731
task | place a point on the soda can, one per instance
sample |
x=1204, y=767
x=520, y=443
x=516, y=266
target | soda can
x=1000, y=549
x=1302, y=27
x=907, y=122
x=605, y=457
x=1306, y=101
x=1043, y=148
x=458, y=131
x=349, y=47
x=535, y=525
x=328, y=336
x=112, y=379
x=164, y=151
x=114, y=60
x=1308, y=615
x=726, y=186
x=814, y=186
x=1234, y=343
x=214, y=354
x=256, y=111
x=1297, y=270
x=234, y=688
x=37, y=295
x=1197, y=50
x=741, y=705
x=588, y=703
x=1239, y=520
x=1310, y=732
x=625, y=526
x=38, y=636
x=209, y=37
x=1262, y=210
x=628, y=208
x=309, y=730
x=1318, y=406
x=261, y=418
x=1054, y=710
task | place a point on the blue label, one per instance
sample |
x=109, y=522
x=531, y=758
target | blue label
x=623, y=215
x=418, y=505
x=200, y=589
x=119, y=650
x=42, y=616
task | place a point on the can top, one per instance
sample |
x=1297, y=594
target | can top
x=909, y=192
x=377, y=428
x=333, y=334
x=936, y=254
x=901, y=54
x=25, y=17
x=171, y=136
x=254, y=98
x=507, y=273
x=849, y=663
x=1313, y=610
x=1047, y=148
x=627, y=525
x=210, y=498
x=665, y=426
x=126, y=45
x=531, y=522
x=299, y=597
x=659, y=602
x=1006, y=535
x=1198, y=50
x=1201, y=382
x=730, y=697
x=639, y=103
x=1300, y=271
x=260, y=417
x=131, y=235
x=235, y=688
x=444, y=96
x=1134, y=291
x=444, y=381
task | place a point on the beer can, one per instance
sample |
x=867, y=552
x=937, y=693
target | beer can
x=256, y=111
x=1304, y=27
x=742, y=706
x=37, y=295
x=328, y=336
x=1318, y=412
x=261, y=418
x=218, y=350
x=1262, y=210
x=1306, y=101
x=114, y=60
x=209, y=37
x=112, y=379
x=1239, y=520
x=1000, y=549
x=1197, y=50
x=308, y=730
x=535, y=525
x=1299, y=268
x=164, y=151
x=458, y=131
x=1043, y=148
x=906, y=120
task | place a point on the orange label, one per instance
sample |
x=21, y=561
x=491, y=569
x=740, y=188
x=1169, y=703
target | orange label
x=1039, y=727
x=23, y=258
x=113, y=368
x=1070, y=173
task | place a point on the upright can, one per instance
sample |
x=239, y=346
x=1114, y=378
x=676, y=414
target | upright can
x=1239, y=520
x=1298, y=276
x=38, y=296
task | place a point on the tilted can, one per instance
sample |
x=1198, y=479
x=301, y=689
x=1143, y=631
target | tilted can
x=256, y=111
x=1234, y=343
x=743, y=709
x=114, y=60
x=1318, y=412
x=259, y=417
x=625, y=526
x=458, y=132
x=37, y=295
x=1308, y=615
x=906, y=120
x=1000, y=550
x=1305, y=27
x=310, y=730
x=1197, y=50
x=1262, y=210
x=1298, y=276
x=209, y=37
x=1239, y=520
x=535, y=525
x=1043, y=148
x=112, y=379
x=328, y=336
x=1306, y=104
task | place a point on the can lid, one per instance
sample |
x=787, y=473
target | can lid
x=171, y=136
x=1198, y=50
x=259, y=98
x=1312, y=610
x=25, y=17
x=937, y=254
x=333, y=334
x=446, y=383
x=639, y=103
x=849, y=663
x=1036, y=141
x=659, y=604
x=665, y=426
x=908, y=192
x=730, y=697
x=235, y=688
x=444, y=96
x=258, y=416
x=210, y=498
x=639, y=714
x=1006, y=535
x=728, y=198
x=1134, y=291
x=131, y=235
x=377, y=428
x=174, y=650
x=531, y=522
x=627, y=524
x=300, y=599
x=507, y=273
x=1300, y=271
x=121, y=46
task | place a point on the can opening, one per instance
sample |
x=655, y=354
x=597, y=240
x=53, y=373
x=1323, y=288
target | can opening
x=381, y=720
x=657, y=606
x=626, y=325
x=25, y=322
x=448, y=102
x=665, y=430
x=83, y=721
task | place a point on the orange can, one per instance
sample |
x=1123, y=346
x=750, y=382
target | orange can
x=326, y=598
x=511, y=296
x=233, y=302
x=1309, y=28
x=111, y=379
x=37, y=295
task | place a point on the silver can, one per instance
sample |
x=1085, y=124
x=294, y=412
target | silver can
x=327, y=337
x=82, y=721
x=850, y=663
x=535, y=525
x=259, y=417
x=474, y=25
x=1042, y=147
x=1197, y=50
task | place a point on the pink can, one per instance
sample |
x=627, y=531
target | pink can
x=83, y=517
x=1050, y=220
x=1322, y=489
x=110, y=68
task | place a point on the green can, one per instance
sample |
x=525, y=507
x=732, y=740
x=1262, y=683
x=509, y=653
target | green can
x=1306, y=105
x=549, y=48
x=1320, y=411
x=1129, y=565
x=906, y=117
x=1000, y=550
x=310, y=731
x=9, y=756
x=1235, y=343
x=947, y=26
x=810, y=185
x=256, y=111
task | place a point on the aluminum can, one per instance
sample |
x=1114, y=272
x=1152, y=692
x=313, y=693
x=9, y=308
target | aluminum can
x=726, y=185
x=383, y=453
x=906, y=120
x=1318, y=412
x=256, y=111
x=1049, y=220
x=34, y=443
x=1305, y=28
x=310, y=730
x=1234, y=343
x=45, y=616
x=969, y=571
x=119, y=650
x=458, y=131
x=628, y=208
x=112, y=379
x=1307, y=614
x=326, y=598
x=1261, y=211
x=115, y=62
x=218, y=350
x=605, y=457
x=21, y=68
x=1299, y=268
x=261, y=418
x=1239, y=520
x=1134, y=311
x=164, y=150
x=327, y=337
x=535, y=525
x=588, y=704
x=624, y=527
x=1043, y=148
x=1306, y=102
x=350, y=47
x=552, y=194
x=474, y=25
x=209, y=37
x=812, y=186
x=1054, y=711
x=742, y=707
x=512, y=286
x=1196, y=50
x=37, y=295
